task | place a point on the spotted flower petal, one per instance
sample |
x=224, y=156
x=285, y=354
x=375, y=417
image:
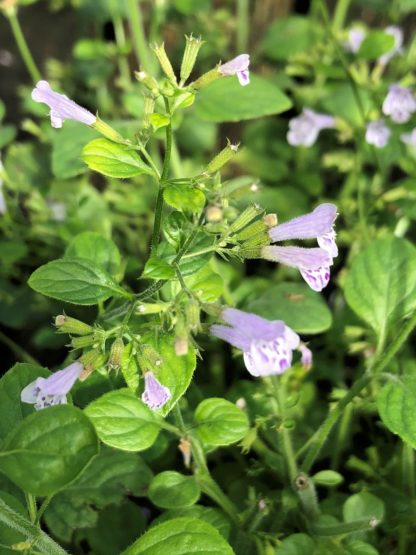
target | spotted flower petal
x=237, y=66
x=155, y=394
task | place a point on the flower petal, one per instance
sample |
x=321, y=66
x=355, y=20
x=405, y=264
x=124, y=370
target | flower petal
x=29, y=394
x=155, y=394
x=267, y=358
x=298, y=257
x=317, y=279
x=236, y=65
x=60, y=382
x=243, y=77
x=327, y=242
x=309, y=226
x=254, y=326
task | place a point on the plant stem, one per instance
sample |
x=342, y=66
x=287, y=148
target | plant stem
x=408, y=464
x=22, y=46
x=35, y=535
x=18, y=350
x=344, y=528
x=31, y=507
x=137, y=29
x=319, y=438
x=340, y=14
x=43, y=508
x=120, y=35
x=242, y=25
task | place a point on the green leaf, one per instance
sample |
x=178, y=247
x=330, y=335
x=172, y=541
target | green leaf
x=67, y=145
x=130, y=368
x=375, y=44
x=363, y=505
x=397, y=408
x=184, y=198
x=93, y=246
x=297, y=544
x=170, y=489
x=174, y=372
x=217, y=518
x=158, y=121
x=180, y=536
x=343, y=101
x=123, y=421
x=12, y=411
x=113, y=159
x=11, y=252
x=287, y=36
x=328, y=478
x=75, y=280
x=206, y=284
x=357, y=547
x=156, y=268
x=48, y=449
x=220, y=422
x=381, y=285
x=296, y=304
x=227, y=100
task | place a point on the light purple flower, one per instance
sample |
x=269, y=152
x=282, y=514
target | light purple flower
x=377, y=133
x=237, y=66
x=397, y=34
x=304, y=129
x=267, y=345
x=62, y=107
x=356, y=35
x=409, y=138
x=399, y=104
x=45, y=392
x=155, y=395
x=313, y=264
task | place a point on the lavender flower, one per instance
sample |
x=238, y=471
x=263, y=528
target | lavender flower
x=155, y=394
x=237, y=66
x=267, y=345
x=397, y=34
x=399, y=104
x=304, y=129
x=377, y=133
x=62, y=107
x=356, y=35
x=409, y=138
x=45, y=392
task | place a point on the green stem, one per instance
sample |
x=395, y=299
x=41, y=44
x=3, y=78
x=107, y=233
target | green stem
x=305, y=489
x=18, y=351
x=157, y=222
x=408, y=463
x=280, y=394
x=319, y=438
x=242, y=25
x=179, y=418
x=137, y=29
x=31, y=507
x=22, y=46
x=120, y=35
x=35, y=535
x=345, y=528
x=150, y=160
x=43, y=508
x=340, y=14
x=168, y=146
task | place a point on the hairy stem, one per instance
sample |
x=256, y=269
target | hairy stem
x=137, y=29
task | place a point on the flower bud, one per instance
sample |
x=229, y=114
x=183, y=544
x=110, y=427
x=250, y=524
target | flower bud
x=189, y=56
x=193, y=315
x=222, y=158
x=116, y=354
x=270, y=220
x=66, y=324
x=259, y=239
x=185, y=449
x=251, y=230
x=83, y=341
x=206, y=79
x=246, y=217
x=213, y=214
x=148, y=81
x=148, y=358
x=91, y=360
x=150, y=308
x=164, y=61
x=149, y=106
x=181, y=337
x=107, y=131
x=251, y=252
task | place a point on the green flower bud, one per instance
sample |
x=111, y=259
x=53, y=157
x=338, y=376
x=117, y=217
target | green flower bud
x=148, y=81
x=189, y=57
x=253, y=229
x=193, y=315
x=107, y=131
x=246, y=217
x=83, y=341
x=116, y=353
x=206, y=79
x=164, y=61
x=222, y=158
x=91, y=360
x=148, y=358
x=251, y=252
x=260, y=239
x=66, y=324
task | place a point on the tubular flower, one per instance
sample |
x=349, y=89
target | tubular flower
x=377, y=133
x=237, y=66
x=45, y=392
x=356, y=36
x=155, y=395
x=62, y=107
x=267, y=345
x=397, y=34
x=399, y=104
x=304, y=129
x=313, y=264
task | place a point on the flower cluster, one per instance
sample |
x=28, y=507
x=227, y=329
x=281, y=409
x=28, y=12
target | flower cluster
x=304, y=129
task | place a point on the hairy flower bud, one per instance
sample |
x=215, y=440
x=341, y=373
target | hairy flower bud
x=213, y=214
x=222, y=158
x=91, y=360
x=189, y=56
x=148, y=358
x=206, y=78
x=66, y=324
x=193, y=315
x=164, y=61
x=83, y=341
x=246, y=217
x=107, y=131
x=116, y=353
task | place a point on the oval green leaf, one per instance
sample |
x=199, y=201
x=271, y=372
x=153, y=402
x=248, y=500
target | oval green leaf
x=48, y=449
x=123, y=421
x=363, y=505
x=183, y=197
x=375, y=44
x=93, y=246
x=220, y=422
x=170, y=490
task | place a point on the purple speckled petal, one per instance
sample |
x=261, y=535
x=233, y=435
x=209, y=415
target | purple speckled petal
x=155, y=394
x=317, y=279
x=316, y=223
x=243, y=77
x=236, y=65
x=62, y=381
x=306, y=356
x=62, y=107
x=266, y=358
x=327, y=242
x=297, y=257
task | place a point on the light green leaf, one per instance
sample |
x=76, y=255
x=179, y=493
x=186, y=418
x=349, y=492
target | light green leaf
x=297, y=544
x=227, y=100
x=206, y=284
x=363, y=505
x=287, y=36
x=180, y=536
x=397, y=407
x=156, y=268
x=123, y=421
x=170, y=490
x=296, y=304
x=357, y=547
x=375, y=44
x=114, y=159
x=327, y=478
x=220, y=422
x=48, y=449
x=217, y=518
x=184, y=198
x=158, y=121
x=342, y=102
x=381, y=285
x=130, y=368
x=93, y=246
x=12, y=411
x=75, y=280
